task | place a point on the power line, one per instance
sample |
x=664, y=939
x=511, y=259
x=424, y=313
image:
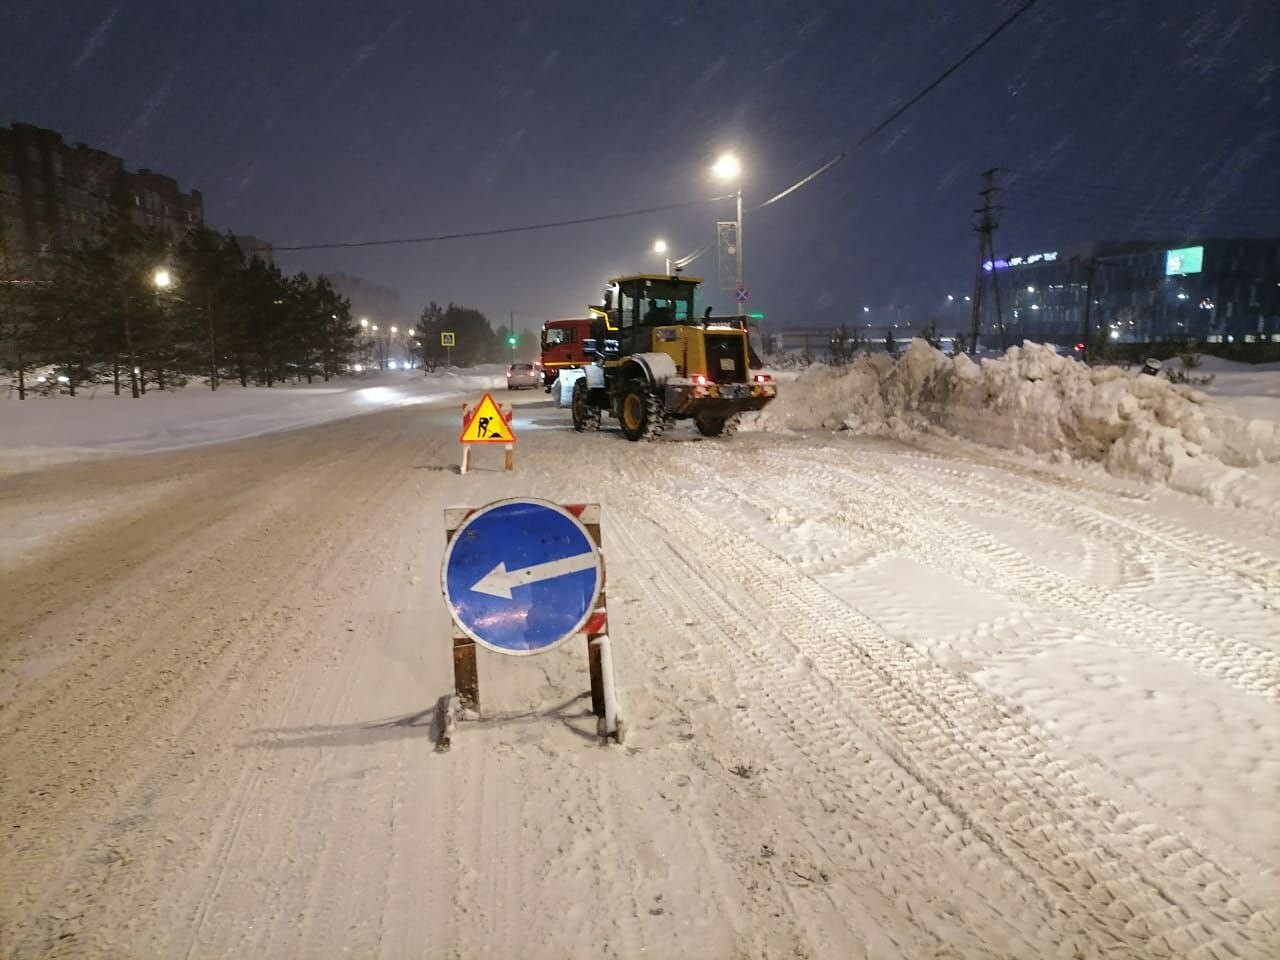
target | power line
x=1008, y=21
x=497, y=231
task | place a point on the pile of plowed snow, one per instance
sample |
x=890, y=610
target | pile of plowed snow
x=1032, y=399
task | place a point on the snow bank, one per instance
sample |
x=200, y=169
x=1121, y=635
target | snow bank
x=1034, y=400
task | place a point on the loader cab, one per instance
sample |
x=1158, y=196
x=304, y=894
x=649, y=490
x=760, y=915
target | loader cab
x=634, y=305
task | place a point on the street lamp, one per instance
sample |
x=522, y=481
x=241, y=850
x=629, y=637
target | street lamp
x=364, y=322
x=728, y=168
x=161, y=278
x=660, y=248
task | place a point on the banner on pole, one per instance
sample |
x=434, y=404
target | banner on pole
x=727, y=253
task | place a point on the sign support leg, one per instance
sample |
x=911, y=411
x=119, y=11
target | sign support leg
x=597, y=681
x=466, y=678
x=466, y=458
x=511, y=457
x=608, y=724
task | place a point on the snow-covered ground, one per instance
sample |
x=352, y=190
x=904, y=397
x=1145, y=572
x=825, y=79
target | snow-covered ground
x=1250, y=391
x=885, y=699
x=52, y=429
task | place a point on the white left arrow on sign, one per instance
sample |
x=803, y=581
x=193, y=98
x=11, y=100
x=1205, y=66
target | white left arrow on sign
x=499, y=582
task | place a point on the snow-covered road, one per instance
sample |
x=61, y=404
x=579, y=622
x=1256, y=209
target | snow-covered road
x=883, y=701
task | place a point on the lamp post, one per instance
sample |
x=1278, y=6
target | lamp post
x=161, y=280
x=729, y=169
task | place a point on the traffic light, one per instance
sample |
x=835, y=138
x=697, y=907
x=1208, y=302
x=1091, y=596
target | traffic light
x=511, y=340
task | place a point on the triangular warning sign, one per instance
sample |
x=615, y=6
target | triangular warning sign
x=487, y=425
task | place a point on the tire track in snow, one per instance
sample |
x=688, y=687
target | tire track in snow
x=951, y=733
x=1105, y=518
x=806, y=732
x=979, y=557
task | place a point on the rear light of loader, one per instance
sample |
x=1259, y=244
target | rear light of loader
x=763, y=378
x=699, y=380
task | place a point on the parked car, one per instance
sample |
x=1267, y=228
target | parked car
x=521, y=375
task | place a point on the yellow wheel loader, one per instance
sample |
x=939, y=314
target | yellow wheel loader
x=655, y=362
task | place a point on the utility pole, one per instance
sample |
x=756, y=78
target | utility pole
x=986, y=229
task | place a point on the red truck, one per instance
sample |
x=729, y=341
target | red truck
x=562, y=347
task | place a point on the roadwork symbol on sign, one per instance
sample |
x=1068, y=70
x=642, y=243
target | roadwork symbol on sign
x=742, y=294
x=521, y=576
x=447, y=340
x=487, y=425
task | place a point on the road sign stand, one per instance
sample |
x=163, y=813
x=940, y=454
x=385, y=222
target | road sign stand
x=465, y=702
x=468, y=415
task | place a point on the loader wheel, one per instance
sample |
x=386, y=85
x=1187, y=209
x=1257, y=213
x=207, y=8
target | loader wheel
x=586, y=418
x=641, y=413
x=717, y=426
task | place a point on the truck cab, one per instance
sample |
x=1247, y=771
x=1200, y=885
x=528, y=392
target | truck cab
x=564, y=347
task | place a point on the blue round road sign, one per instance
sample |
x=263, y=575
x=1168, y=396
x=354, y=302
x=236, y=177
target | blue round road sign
x=521, y=576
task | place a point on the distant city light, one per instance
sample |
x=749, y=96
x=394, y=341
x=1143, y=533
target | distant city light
x=1047, y=257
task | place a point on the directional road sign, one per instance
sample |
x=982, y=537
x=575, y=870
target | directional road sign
x=521, y=576
x=742, y=294
x=447, y=339
x=487, y=425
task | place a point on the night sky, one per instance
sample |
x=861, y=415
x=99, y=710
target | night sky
x=310, y=122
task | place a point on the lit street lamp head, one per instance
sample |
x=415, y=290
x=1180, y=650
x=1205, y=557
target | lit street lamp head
x=659, y=246
x=727, y=167
x=161, y=279
x=394, y=330
x=364, y=322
